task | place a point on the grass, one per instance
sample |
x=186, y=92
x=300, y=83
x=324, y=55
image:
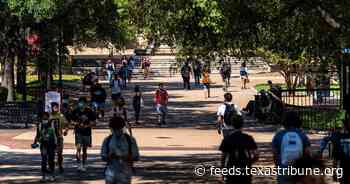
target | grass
x=264, y=86
x=32, y=80
x=322, y=120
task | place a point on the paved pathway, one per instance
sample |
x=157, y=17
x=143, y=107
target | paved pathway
x=169, y=154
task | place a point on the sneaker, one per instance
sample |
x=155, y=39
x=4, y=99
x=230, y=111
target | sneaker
x=51, y=178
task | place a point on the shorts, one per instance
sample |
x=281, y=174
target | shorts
x=116, y=96
x=81, y=140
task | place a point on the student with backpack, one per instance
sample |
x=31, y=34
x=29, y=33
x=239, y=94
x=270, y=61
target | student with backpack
x=119, y=150
x=340, y=149
x=186, y=75
x=239, y=150
x=110, y=70
x=225, y=113
x=60, y=124
x=161, y=100
x=289, y=145
x=46, y=136
x=137, y=103
x=98, y=99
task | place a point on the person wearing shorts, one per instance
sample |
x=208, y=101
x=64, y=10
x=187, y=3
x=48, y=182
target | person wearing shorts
x=85, y=119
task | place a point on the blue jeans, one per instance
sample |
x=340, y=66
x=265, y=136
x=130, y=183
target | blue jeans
x=109, y=75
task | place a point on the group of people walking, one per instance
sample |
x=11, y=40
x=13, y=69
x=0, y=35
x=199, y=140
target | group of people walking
x=291, y=147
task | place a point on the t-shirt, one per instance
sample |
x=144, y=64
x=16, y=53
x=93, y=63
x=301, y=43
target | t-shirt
x=186, y=71
x=83, y=118
x=116, y=86
x=59, y=122
x=110, y=66
x=221, y=112
x=277, y=141
x=243, y=71
x=237, y=147
x=161, y=97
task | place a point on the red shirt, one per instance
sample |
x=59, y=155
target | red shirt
x=161, y=97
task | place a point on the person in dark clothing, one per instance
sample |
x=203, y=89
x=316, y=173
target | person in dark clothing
x=47, y=138
x=124, y=73
x=197, y=72
x=186, y=75
x=341, y=150
x=137, y=103
x=239, y=150
x=98, y=99
x=276, y=90
x=85, y=119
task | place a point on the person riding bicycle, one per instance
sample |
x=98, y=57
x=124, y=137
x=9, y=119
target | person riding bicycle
x=98, y=99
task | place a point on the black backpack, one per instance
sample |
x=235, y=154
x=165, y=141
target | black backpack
x=239, y=157
x=230, y=113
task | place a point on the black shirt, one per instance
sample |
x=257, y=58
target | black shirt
x=83, y=118
x=98, y=94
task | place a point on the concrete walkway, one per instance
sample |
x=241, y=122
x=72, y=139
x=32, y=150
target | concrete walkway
x=169, y=154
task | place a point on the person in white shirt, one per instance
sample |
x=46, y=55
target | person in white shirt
x=243, y=72
x=110, y=70
x=226, y=111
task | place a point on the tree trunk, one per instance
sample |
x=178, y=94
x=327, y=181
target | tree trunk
x=9, y=79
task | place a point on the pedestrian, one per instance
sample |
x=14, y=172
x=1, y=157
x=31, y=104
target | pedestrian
x=341, y=150
x=120, y=109
x=161, y=101
x=239, y=151
x=197, y=71
x=110, y=68
x=146, y=64
x=206, y=83
x=116, y=86
x=137, y=103
x=46, y=136
x=225, y=113
x=98, y=99
x=186, y=75
x=243, y=72
x=89, y=79
x=289, y=145
x=85, y=119
x=226, y=74
x=59, y=122
x=124, y=73
x=130, y=68
x=119, y=150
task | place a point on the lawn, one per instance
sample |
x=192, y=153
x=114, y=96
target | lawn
x=264, y=86
x=32, y=80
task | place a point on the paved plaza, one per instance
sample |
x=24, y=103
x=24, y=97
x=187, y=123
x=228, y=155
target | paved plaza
x=169, y=154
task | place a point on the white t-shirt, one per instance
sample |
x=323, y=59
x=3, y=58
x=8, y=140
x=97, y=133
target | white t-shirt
x=116, y=87
x=221, y=112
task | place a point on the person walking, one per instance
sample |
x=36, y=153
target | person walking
x=206, y=83
x=197, y=72
x=161, y=100
x=226, y=75
x=60, y=124
x=120, y=109
x=243, y=72
x=289, y=145
x=116, y=86
x=98, y=99
x=46, y=136
x=137, y=103
x=85, y=119
x=110, y=68
x=186, y=75
x=146, y=64
x=225, y=113
x=119, y=151
x=341, y=149
x=124, y=73
x=239, y=150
